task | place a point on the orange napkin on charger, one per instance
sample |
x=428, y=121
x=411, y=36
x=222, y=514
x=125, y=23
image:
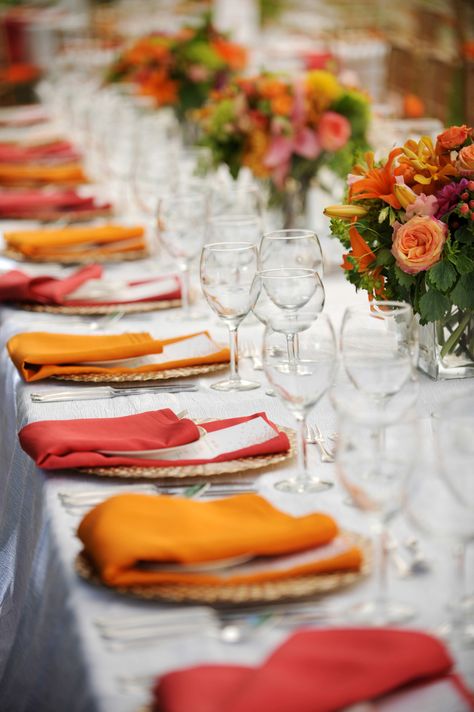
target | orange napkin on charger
x=131, y=528
x=76, y=241
x=28, y=173
x=39, y=355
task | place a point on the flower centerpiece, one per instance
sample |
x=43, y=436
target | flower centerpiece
x=284, y=129
x=409, y=231
x=179, y=70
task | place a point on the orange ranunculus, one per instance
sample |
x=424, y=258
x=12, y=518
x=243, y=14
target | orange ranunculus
x=269, y=87
x=282, y=105
x=233, y=54
x=376, y=182
x=360, y=250
x=452, y=138
x=418, y=244
x=421, y=167
x=255, y=152
x=465, y=161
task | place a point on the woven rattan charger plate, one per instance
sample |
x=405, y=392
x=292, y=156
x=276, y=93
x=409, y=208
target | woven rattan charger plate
x=269, y=591
x=242, y=464
x=92, y=256
x=126, y=308
x=130, y=378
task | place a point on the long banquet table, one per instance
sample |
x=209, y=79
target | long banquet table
x=51, y=655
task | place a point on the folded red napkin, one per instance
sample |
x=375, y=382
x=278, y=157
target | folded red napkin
x=59, y=444
x=16, y=286
x=38, y=203
x=54, y=152
x=312, y=671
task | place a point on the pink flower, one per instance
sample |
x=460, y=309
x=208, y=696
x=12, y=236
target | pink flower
x=423, y=205
x=418, y=244
x=334, y=131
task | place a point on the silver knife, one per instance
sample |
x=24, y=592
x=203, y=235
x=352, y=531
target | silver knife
x=109, y=392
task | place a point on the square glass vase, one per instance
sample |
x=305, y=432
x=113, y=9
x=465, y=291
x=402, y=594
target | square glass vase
x=447, y=346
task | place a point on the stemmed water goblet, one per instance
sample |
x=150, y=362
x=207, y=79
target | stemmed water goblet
x=181, y=222
x=227, y=273
x=291, y=248
x=300, y=380
x=373, y=469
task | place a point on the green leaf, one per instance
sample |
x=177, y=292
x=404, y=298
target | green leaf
x=442, y=275
x=463, y=293
x=433, y=305
x=464, y=234
x=384, y=257
x=463, y=263
x=404, y=279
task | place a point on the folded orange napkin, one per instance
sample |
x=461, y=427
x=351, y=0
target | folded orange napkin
x=21, y=174
x=133, y=528
x=39, y=355
x=76, y=241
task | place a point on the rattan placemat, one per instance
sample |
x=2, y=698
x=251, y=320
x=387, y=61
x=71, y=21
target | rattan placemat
x=92, y=256
x=224, y=594
x=127, y=308
x=142, y=376
x=211, y=469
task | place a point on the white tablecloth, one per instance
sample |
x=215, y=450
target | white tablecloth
x=51, y=655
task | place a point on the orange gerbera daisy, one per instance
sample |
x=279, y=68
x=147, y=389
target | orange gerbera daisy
x=376, y=182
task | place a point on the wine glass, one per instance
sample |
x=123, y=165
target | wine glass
x=234, y=228
x=300, y=383
x=373, y=469
x=269, y=312
x=377, y=347
x=181, y=229
x=439, y=501
x=227, y=273
x=236, y=199
x=291, y=248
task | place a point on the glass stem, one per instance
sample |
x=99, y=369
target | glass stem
x=380, y=562
x=290, y=344
x=302, y=475
x=185, y=288
x=234, y=352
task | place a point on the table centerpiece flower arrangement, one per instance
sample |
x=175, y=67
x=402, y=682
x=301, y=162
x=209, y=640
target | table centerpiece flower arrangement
x=179, y=70
x=284, y=129
x=409, y=231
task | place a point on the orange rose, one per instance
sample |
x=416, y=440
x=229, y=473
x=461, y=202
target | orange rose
x=418, y=244
x=465, y=161
x=452, y=138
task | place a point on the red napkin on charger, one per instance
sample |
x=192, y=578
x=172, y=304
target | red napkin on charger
x=16, y=286
x=54, y=152
x=59, y=444
x=37, y=203
x=312, y=671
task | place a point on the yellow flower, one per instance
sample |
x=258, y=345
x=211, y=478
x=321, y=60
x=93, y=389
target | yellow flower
x=404, y=194
x=421, y=168
x=345, y=212
x=324, y=84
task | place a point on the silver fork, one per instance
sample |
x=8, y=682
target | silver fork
x=251, y=351
x=315, y=437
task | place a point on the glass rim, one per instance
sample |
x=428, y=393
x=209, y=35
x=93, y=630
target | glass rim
x=395, y=307
x=229, y=246
x=285, y=233
x=264, y=274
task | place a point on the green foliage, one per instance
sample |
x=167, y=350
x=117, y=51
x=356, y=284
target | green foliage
x=356, y=108
x=463, y=293
x=442, y=275
x=404, y=279
x=433, y=305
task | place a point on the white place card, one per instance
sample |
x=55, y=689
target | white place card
x=102, y=290
x=194, y=347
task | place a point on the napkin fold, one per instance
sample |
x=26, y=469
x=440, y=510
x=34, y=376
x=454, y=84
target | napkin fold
x=55, y=152
x=36, y=173
x=312, y=671
x=39, y=355
x=60, y=444
x=76, y=241
x=46, y=204
x=127, y=529
x=16, y=286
